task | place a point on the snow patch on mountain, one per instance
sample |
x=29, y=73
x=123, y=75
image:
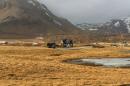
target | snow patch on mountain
x=41, y=4
x=43, y=7
x=47, y=14
x=86, y=26
x=31, y=2
x=127, y=21
x=117, y=24
x=91, y=29
x=57, y=22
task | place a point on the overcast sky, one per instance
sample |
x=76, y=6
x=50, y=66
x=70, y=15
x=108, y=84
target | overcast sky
x=89, y=11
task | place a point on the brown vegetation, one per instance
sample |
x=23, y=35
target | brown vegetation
x=39, y=66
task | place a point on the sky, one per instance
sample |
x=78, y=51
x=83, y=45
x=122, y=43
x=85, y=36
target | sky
x=89, y=11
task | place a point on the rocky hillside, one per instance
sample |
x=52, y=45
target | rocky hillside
x=30, y=18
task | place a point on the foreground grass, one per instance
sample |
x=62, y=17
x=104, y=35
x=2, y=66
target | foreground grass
x=38, y=66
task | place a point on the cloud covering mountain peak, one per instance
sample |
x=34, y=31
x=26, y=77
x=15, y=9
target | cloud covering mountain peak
x=93, y=11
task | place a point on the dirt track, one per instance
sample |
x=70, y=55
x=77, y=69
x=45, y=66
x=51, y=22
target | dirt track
x=38, y=66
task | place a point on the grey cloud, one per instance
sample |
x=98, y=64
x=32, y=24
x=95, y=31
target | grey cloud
x=93, y=11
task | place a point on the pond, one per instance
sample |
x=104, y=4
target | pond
x=105, y=62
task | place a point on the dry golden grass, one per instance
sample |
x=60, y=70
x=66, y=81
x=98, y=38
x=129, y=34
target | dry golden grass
x=38, y=66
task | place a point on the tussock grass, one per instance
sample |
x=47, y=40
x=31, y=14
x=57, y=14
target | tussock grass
x=39, y=66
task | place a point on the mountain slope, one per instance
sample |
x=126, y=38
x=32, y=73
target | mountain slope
x=114, y=26
x=29, y=18
x=115, y=29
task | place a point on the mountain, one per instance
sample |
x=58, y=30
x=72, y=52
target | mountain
x=30, y=18
x=111, y=30
x=127, y=22
x=114, y=26
x=86, y=26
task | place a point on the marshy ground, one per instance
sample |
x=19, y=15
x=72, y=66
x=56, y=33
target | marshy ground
x=40, y=66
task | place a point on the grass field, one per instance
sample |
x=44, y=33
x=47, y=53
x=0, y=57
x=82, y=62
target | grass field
x=40, y=66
